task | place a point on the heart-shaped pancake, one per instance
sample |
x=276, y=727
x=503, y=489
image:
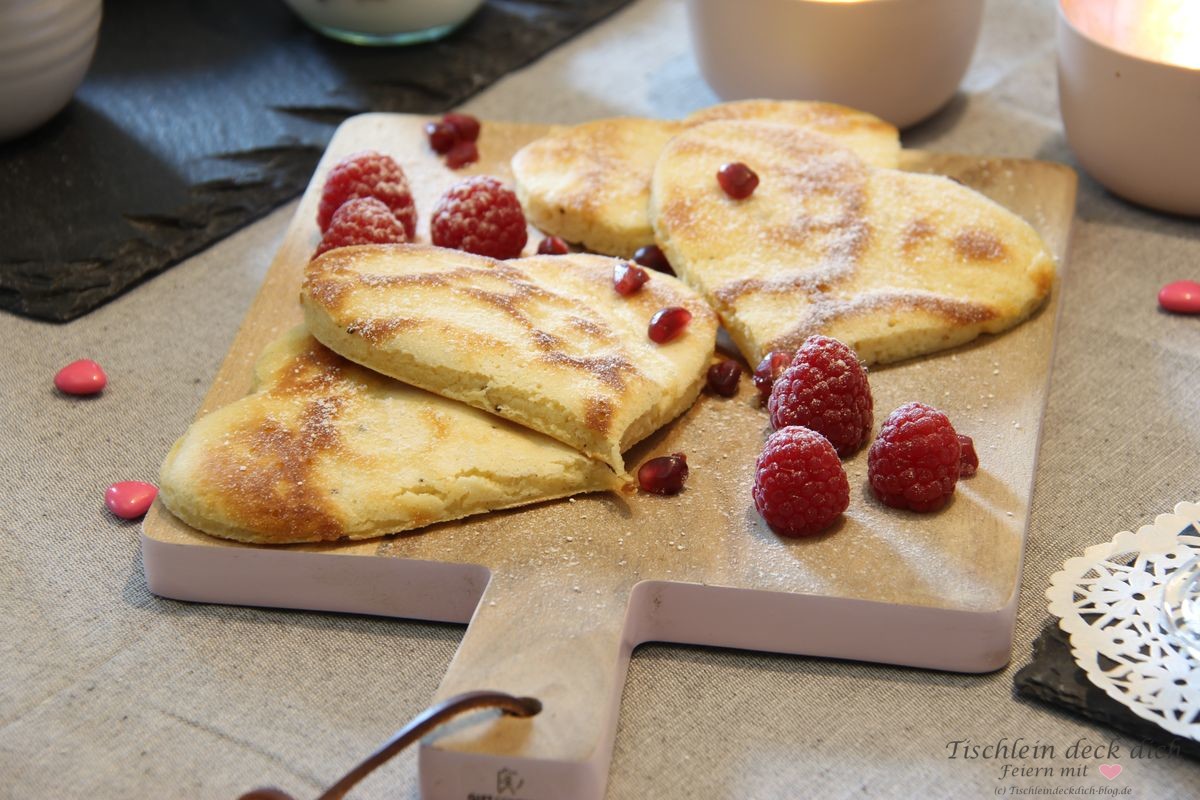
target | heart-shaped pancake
x=873, y=140
x=545, y=341
x=590, y=183
x=324, y=449
x=895, y=264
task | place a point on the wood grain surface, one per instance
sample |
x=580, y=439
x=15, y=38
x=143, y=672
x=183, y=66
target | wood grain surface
x=575, y=584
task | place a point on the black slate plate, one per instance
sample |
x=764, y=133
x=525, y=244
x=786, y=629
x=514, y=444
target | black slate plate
x=1053, y=677
x=199, y=117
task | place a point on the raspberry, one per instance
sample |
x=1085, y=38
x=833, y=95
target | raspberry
x=825, y=389
x=968, y=461
x=628, y=279
x=368, y=174
x=466, y=127
x=363, y=220
x=668, y=323
x=914, y=462
x=653, y=257
x=737, y=180
x=664, y=475
x=462, y=154
x=800, y=487
x=480, y=216
x=769, y=370
x=442, y=136
x=723, y=377
x=553, y=246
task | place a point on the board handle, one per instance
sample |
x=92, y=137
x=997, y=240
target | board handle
x=528, y=639
x=419, y=726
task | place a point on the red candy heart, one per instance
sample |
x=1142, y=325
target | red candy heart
x=1181, y=297
x=130, y=499
x=81, y=377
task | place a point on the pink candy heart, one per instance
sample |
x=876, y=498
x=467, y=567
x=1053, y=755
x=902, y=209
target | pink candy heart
x=1181, y=297
x=81, y=377
x=1110, y=771
x=130, y=499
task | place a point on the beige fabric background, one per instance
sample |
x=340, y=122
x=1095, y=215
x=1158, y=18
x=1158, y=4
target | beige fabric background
x=106, y=691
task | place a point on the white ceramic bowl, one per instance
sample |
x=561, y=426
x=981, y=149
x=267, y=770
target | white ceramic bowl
x=1133, y=122
x=901, y=60
x=46, y=47
x=384, y=22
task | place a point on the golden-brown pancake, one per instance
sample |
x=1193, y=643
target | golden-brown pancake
x=875, y=141
x=543, y=341
x=324, y=449
x=590, y=183
x=895, y=264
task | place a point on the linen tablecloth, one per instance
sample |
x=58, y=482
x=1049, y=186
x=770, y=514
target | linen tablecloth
x=107, y=691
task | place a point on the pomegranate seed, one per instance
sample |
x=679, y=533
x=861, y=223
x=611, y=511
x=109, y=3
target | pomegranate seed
x=466, y=126
x=669, y=323
x=663, y=475
x=651, y=256
x=770, y=368
x=968, y=461
x=738, y=180
x=723, y=377
x=462, y=154
x=442, y=136
x=552, y=246
x=628, y=279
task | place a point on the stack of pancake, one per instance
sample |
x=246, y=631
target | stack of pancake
x=835, y=240
x=430, y=384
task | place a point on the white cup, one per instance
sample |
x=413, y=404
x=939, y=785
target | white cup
x=901, y=60
x=1133, y=121
x=46, y=47
x=380, y=22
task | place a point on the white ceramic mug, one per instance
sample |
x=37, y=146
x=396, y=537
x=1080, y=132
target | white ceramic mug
x=901, y=60
x=46, y=47
x=1133, y=121
x=384, y=22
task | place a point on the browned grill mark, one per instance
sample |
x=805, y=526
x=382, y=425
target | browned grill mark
x=820, y=279
x=915, y=234
x=317, y=369
x=589, y=327
x=546, y=342
x=598, y=414
x=274, y=492
x=518, y=292
x=378, y=330
x=1044, y=279
x=609, y=370
x=821, y=315
x=509, y=303
x=974, y=244
x=328, y=292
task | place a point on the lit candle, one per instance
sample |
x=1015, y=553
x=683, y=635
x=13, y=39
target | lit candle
x=1160, y=30
x=1128, y=81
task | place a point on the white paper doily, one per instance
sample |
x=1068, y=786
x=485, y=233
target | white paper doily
x=1110, y=602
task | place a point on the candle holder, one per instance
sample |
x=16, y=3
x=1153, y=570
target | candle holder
x=1129, y=92
x=384, y=22
x=46, y=48
x=901, y=60
x=1181, y=606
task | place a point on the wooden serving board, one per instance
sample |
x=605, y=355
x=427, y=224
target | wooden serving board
x=558, y=594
